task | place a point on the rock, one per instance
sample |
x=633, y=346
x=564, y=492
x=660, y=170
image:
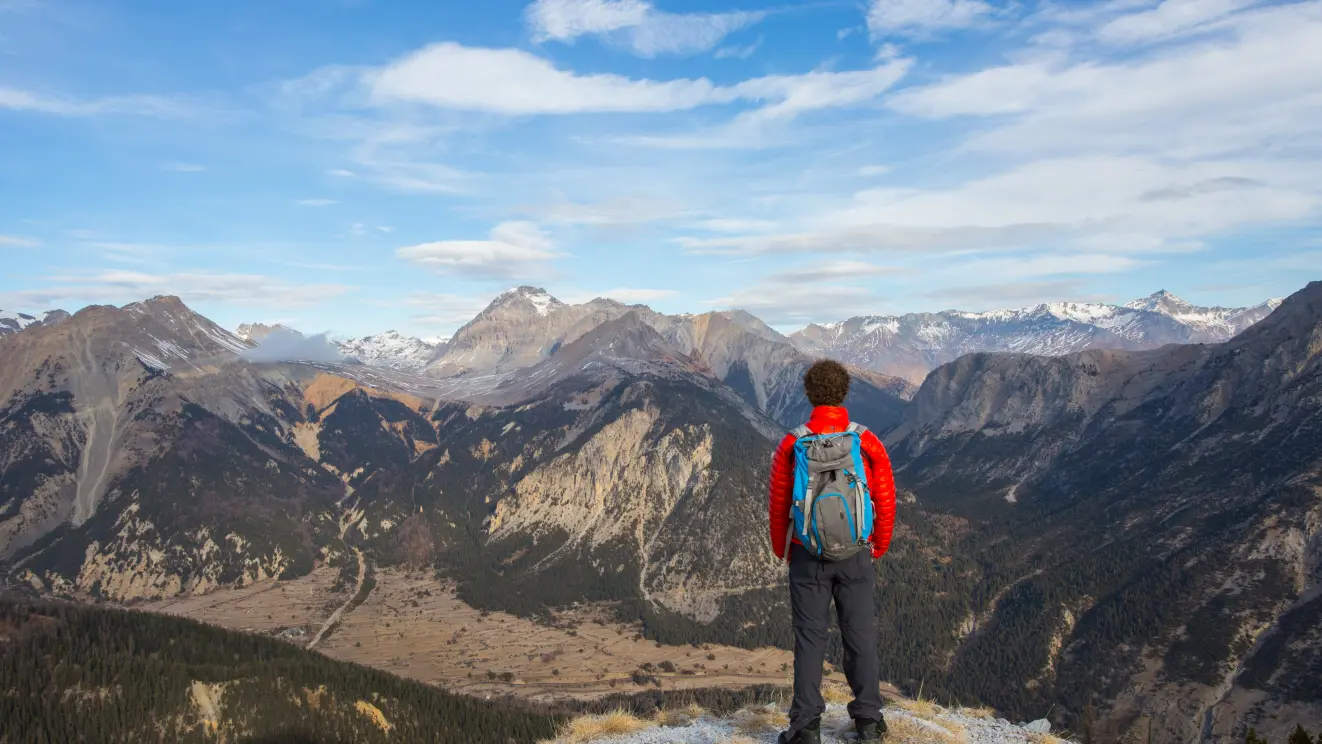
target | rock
x=1040, y=726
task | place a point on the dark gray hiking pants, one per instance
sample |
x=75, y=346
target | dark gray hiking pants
x=813, y=584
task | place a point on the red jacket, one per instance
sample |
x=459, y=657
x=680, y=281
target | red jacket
x=826, y=420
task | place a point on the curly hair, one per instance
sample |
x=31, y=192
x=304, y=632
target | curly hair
x=826, y=383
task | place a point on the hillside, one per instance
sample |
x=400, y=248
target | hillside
x=72, y=671
x=1157, y=514
x=1152, y=514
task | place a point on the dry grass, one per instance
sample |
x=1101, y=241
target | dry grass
x=672, y=718
x=592, y=728
x=760, y=720
x=693, y=710
x=835, y=693
x=1038, y=738
x=738, y=740
x=924, y=709
x=905, y=730
x=985, y=714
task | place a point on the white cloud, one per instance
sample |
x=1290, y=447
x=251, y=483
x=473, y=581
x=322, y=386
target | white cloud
x=14, y=241
x=919, y=17
x=118, y=287
x=340, y=173
x=989, y=296
x=1170, y=18
x=634, y=24
x=833, y=271
x=514, y=249
x=563, y=20
x=316, y=202
x=736, y=225
x=1059, y=264
x=135, y=105
x=795, y=94
x=786, y=303
x=286, y=345
x=612, y=212
x=1050, y=201
x=510, y=81
x=738, y=52
x=868, y=171
x=185, y=167
x=1205, y=97
x=442, y=312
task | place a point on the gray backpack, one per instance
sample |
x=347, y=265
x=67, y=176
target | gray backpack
x=832, y=505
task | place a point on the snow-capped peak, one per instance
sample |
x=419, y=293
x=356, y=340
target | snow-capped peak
x=390, y=349
x=1159, y=302
x=12, y=321
x=22, y=320
x=542, y=302
x=1080, y=312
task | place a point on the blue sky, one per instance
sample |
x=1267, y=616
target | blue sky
x=358, y=165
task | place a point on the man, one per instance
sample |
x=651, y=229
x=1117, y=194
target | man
x=815, y=581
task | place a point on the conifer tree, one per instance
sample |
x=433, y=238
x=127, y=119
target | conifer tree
x=1300, y=736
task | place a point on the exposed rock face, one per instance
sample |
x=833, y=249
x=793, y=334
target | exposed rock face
x=1177, y=493
x=526, y=326
x=910, y=346
x=521, y=328
x=142, y=458
x=255, y=333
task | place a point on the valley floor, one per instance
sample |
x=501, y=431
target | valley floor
x=414, y=626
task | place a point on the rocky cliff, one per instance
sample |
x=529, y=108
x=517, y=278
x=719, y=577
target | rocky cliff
x=1165, y=509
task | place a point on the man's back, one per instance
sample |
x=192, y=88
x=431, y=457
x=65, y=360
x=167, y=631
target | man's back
x=881, y=482
x=816, y=582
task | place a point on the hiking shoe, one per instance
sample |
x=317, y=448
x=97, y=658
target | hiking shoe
x=810, y=734
x=870, y=730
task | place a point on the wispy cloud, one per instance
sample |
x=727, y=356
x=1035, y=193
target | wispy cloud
x=134, y=105
x=832, y=271
x=316, y=202
x=922, y=17
x=14, y=241
x=443, y=312
x=119, y=287
x=738, y=52
x=635, y=25
x=1169, y=19
x=514, y=82
x=513, y=250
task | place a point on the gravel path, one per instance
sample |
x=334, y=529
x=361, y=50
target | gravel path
x=905, y=728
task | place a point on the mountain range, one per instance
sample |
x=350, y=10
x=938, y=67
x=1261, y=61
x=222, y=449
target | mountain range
x=1132, y=532
x=904, y=346
x=912, y=345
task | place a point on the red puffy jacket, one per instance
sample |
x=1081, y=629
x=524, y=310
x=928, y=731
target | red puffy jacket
x=826, y=420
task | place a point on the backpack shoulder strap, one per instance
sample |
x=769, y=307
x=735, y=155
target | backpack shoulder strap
x=857, y=428
x=801, y=432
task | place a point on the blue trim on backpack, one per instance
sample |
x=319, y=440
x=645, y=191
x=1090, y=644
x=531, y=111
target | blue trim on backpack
x=805, y=525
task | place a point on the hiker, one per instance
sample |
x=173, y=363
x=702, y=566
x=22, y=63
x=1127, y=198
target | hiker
x=832, y=512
